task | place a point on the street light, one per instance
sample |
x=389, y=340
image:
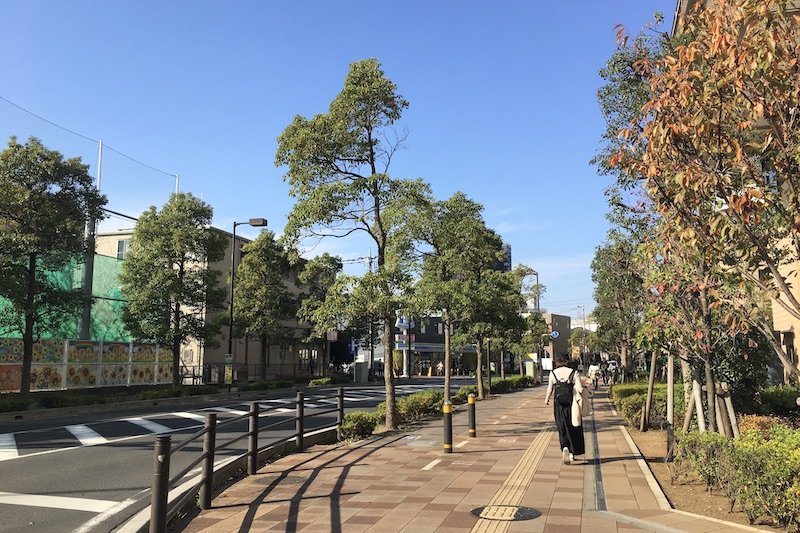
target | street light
x=256, y=223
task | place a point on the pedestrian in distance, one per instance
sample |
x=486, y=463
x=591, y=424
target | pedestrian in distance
x=594, y=373
x=569, y=404
x=604, y=371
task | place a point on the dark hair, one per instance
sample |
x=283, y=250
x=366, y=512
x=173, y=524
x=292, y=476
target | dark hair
x=562, y=360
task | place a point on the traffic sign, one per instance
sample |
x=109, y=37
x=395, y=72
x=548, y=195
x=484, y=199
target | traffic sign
x=554, y=334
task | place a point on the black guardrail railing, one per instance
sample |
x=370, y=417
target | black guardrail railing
x=163, y=483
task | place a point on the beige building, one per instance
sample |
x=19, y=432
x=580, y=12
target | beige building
x=560, y=324
x=288, y=360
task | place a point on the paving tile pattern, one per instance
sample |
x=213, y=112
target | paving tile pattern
x=404, y=482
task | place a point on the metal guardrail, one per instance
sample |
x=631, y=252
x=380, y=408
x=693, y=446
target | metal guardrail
x=162, y=482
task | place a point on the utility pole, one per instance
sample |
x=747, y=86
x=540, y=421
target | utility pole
x=583, y=335
x=369, y=258
x=85, y=332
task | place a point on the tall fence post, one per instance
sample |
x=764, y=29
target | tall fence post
x=209, y=443
x=252, y=447
x=160, y=488
x=339, y=411
x=471, y=412
x=299, y=422
x=447, y=408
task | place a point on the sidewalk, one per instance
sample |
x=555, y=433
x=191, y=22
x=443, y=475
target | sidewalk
x=403, y=482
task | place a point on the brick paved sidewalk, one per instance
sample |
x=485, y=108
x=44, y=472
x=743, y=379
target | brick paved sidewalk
x=403, y=482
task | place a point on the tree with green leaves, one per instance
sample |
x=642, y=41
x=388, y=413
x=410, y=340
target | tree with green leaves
x=318, y=307
x=450, y=236
x=337, y=166
x=263, y=304
x=45, y=202
x=165, y=277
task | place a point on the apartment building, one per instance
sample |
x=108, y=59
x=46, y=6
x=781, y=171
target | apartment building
x=285, y=359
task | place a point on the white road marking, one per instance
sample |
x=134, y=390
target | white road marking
x=285, y=410
x=8, y=447
x=276, y=401
x=86, y=435
x=56, y=502
x=190, y=416
x=460, y=444
x=111, y=511
x=431, y=464
x=237, y=412
x=358, y=398
x=149, y=425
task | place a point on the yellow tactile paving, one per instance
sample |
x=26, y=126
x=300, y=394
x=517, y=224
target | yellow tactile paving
x=513, y=489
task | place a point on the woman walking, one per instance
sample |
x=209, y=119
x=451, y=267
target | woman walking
x=567, y=391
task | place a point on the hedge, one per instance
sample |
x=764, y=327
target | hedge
x=759, y=472
x=780, y=400
x=629, y=398
x=266, y=385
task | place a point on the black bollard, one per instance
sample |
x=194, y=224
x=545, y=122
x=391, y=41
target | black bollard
x=471, y=410
x=252, y=444
x=160, y=488
x=209, y=443
x=447, y=409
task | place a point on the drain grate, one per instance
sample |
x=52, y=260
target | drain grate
x=280, y=480
x=507, y=513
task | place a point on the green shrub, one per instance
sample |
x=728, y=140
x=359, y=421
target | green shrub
x=420, y=405
x=359, y=424
x=320, y=382
x=465, y=391
x=54, y=401
x=707, y=455
x=9, y=404
x=630, y=406
x=266, y=385
x=765, y=476
x=155, y=394
x=760, y=471
x=780, y=401
x=199, y=390
x=758, y=423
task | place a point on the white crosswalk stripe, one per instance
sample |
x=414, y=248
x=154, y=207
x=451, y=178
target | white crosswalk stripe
x=149, y=425
x=191, y=416
x=237, y=412
x=86, y=435
x=8, y=447
x=56, y=502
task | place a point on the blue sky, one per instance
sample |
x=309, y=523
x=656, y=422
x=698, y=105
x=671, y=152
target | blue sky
x=502, y=101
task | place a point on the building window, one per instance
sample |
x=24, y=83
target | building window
x=439, y=329
x=422, y=328
x=122, y=248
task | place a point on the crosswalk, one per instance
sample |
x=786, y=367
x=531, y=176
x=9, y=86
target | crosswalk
x=25, y=443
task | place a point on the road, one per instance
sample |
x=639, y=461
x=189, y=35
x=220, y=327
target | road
x=90, y=473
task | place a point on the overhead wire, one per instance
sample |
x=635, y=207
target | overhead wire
x=59, y=126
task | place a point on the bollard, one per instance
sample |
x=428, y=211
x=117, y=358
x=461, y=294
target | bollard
x=158, y=498
x=471, y=410
x=299, y=423
x=447, y=409
x=252, y=446
x=339, y=411
x=209, y=443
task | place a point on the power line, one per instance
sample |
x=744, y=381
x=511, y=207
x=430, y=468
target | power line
x=82, y=136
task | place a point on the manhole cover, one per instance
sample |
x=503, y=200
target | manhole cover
x=508, y=513
x=280, y=480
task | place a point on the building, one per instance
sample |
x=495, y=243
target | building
x=559, y=344
x=286, y=359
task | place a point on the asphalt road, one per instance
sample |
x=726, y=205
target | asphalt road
x=93, y=472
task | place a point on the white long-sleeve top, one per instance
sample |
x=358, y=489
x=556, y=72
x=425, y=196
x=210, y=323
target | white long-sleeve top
x=562, y=373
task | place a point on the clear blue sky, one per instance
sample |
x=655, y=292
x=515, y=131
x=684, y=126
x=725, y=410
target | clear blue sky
x=502, y=98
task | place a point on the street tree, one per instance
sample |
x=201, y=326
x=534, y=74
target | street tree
x=337, y=166
x=264, y=306
x=450, y=238
x=166, y=279
x=45, y=202
x=317, y=277
x=716, y=146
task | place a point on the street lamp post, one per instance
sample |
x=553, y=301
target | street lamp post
x=256, y=223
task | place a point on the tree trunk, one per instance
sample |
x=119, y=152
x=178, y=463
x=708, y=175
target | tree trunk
x=502, y=362
x=30, y=319
x=176, y=361
x=447, y=357
x=388, y=372
x=651, y=383
x=264, y=356
x=711, y=396
x=686, y=376
x=479, y=370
